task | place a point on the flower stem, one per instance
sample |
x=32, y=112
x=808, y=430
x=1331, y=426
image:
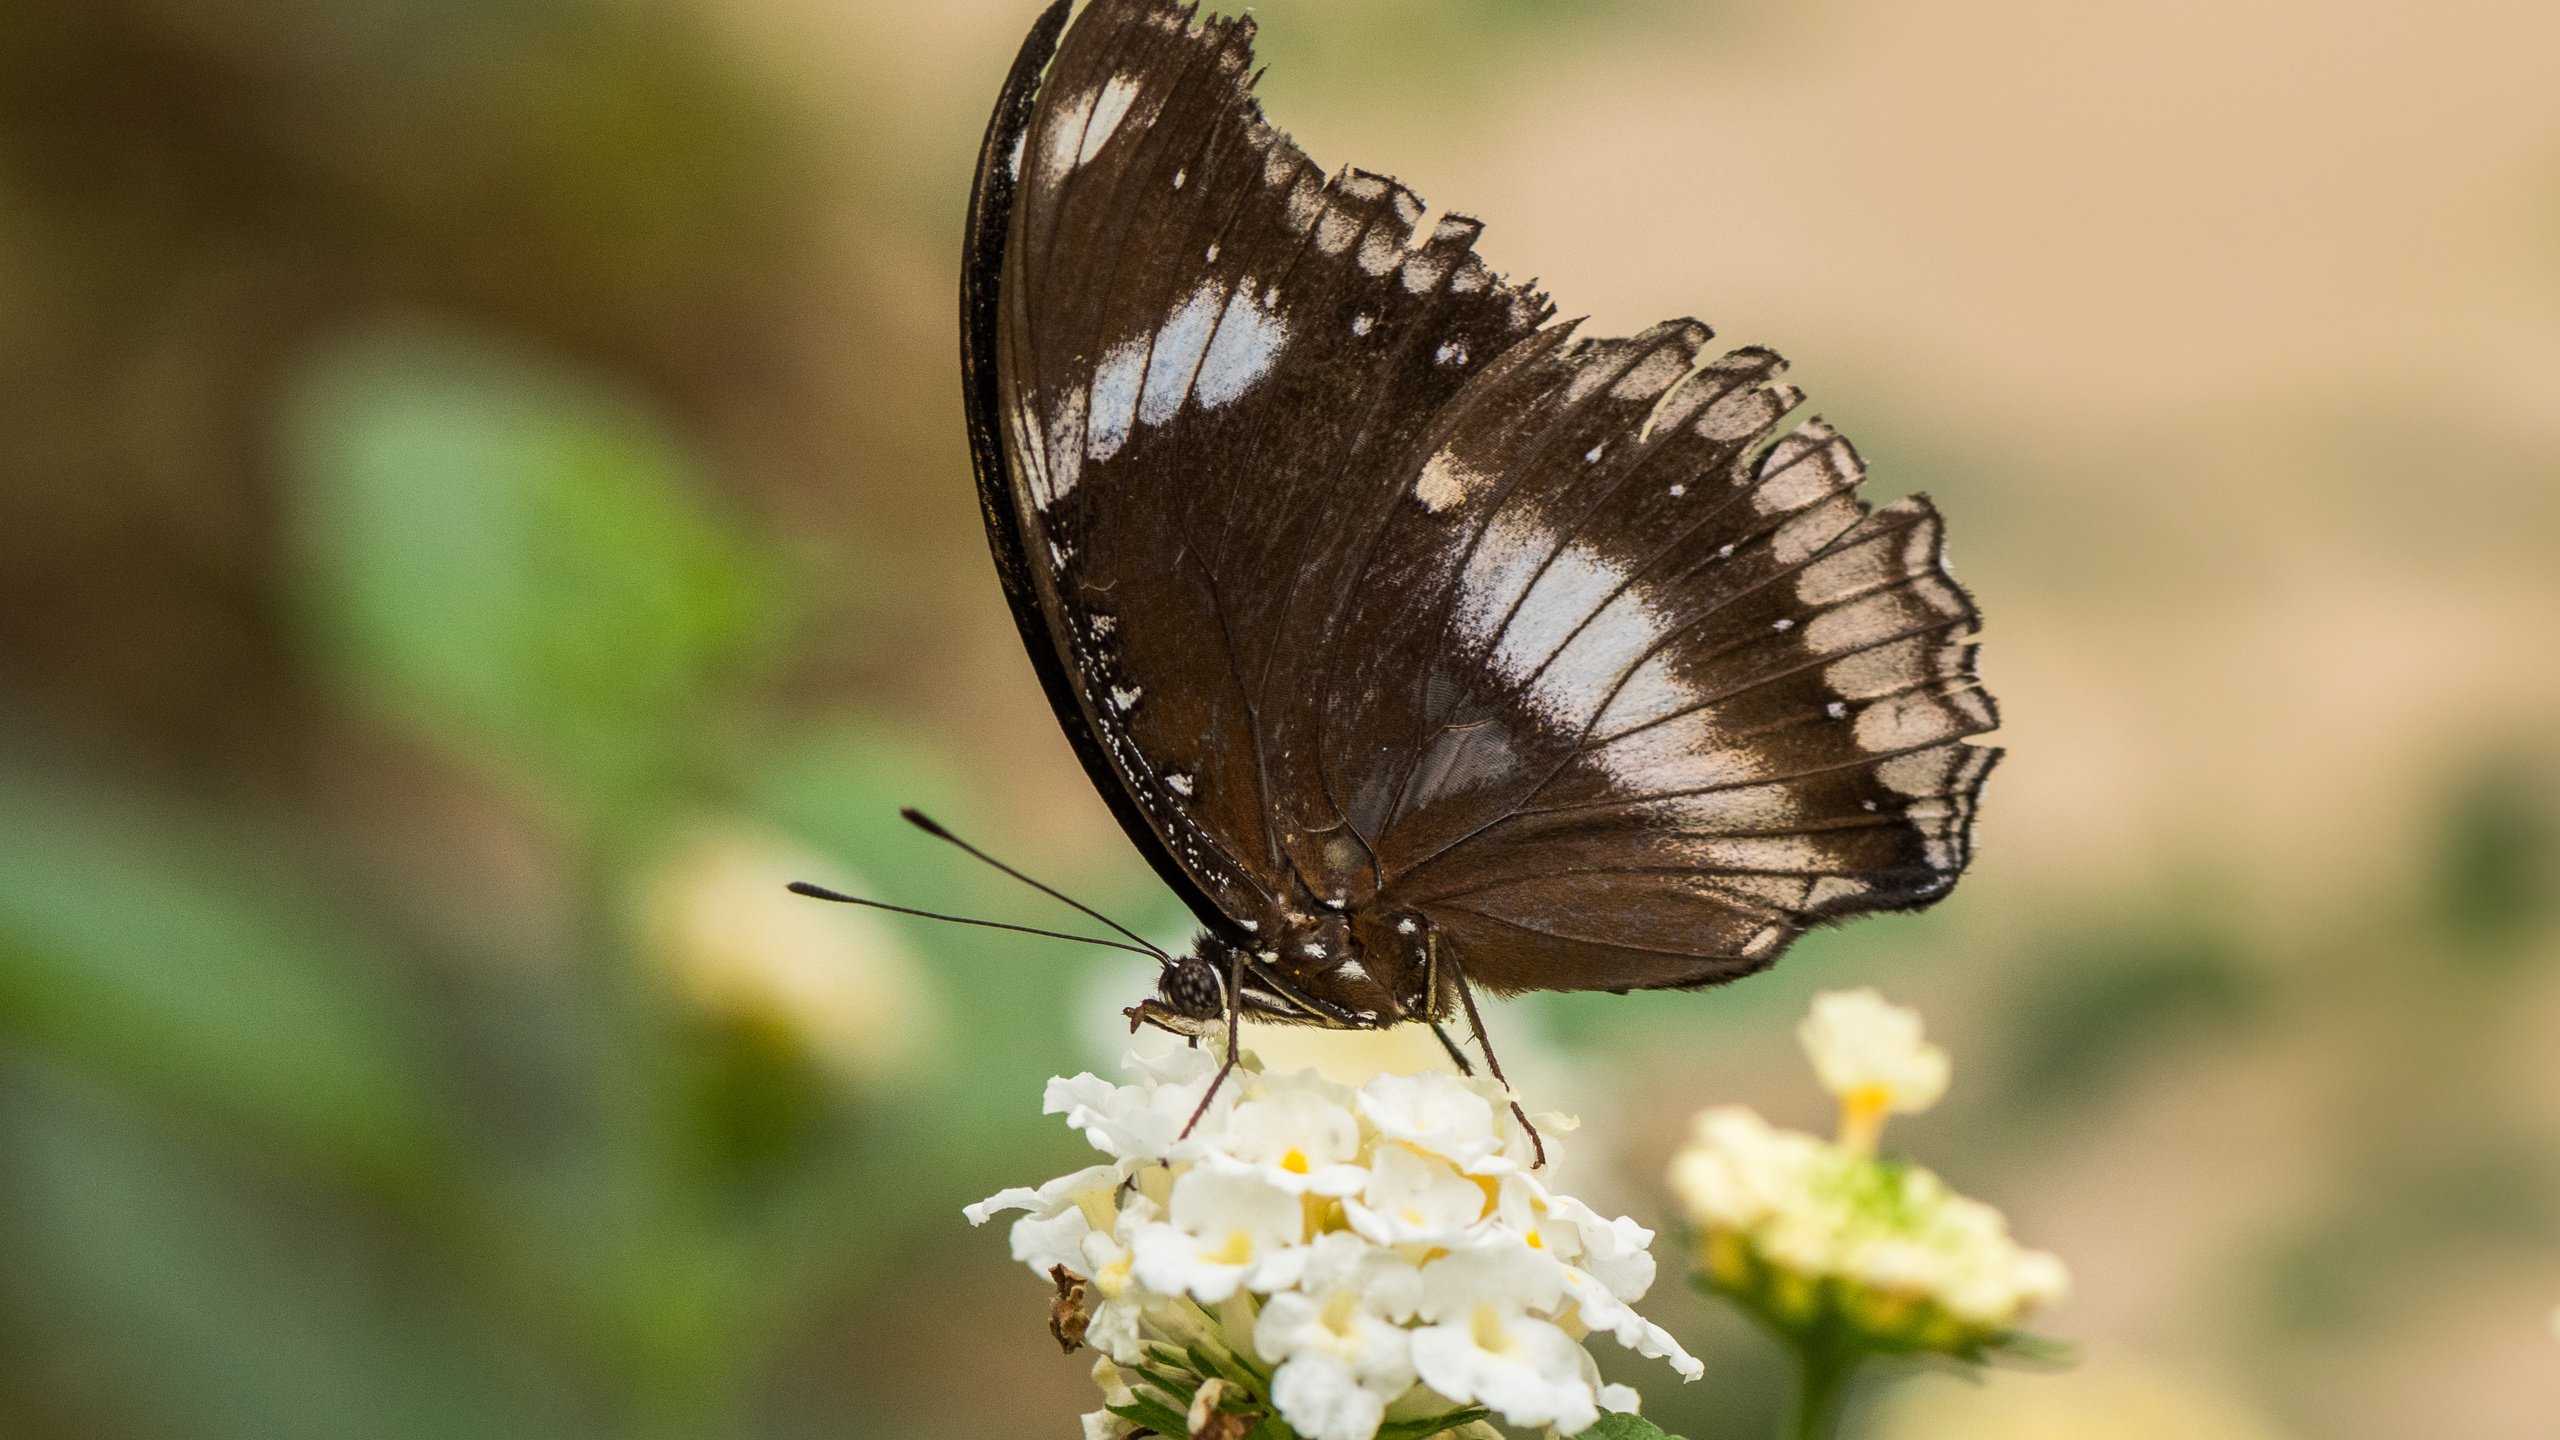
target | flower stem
x=1822, y=1383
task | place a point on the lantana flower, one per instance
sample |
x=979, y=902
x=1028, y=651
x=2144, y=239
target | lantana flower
x=1846, y=1252
x=1322, y=1261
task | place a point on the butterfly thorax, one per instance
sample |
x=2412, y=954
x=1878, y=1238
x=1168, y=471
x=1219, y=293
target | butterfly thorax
x=1345, y=971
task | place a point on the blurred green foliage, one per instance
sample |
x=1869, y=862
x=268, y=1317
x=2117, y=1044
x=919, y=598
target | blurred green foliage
x=2496, y=880
x=156, y=954
x=2105, y=1000
x=505, y=556
x=236, y=1135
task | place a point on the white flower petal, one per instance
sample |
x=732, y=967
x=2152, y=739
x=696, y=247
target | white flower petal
x=1463, y=1281
x=1416, y=1199
x=1524, y=1369
x=1322, y=1399
x=1602, y=1310
x=1221, y=1230
x=1441, y=1113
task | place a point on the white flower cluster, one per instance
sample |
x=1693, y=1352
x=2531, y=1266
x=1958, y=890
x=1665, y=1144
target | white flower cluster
x=1809, y=1233
x=1351, y=1257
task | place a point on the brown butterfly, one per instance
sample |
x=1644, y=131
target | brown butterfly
x=1418, y=643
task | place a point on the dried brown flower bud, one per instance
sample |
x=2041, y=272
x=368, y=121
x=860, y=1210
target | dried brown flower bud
x=1070, y=1312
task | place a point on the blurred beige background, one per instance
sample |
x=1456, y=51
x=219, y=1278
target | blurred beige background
x=2228, y=336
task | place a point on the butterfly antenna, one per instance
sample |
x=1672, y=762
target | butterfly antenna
x=933, y=827
x=820, y=892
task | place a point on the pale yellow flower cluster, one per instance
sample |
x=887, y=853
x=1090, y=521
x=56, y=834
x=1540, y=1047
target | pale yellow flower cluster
x=1819, y=1235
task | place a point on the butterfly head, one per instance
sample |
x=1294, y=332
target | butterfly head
x=1191, y=993
x=1193, y=988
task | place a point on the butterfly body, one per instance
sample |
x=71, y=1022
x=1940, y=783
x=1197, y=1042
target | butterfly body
x=1418, y=642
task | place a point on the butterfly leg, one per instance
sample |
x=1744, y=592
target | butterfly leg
x=1457, y=1056
x=1430, y=1007
x=1235, y=1041
x=1484, y=1042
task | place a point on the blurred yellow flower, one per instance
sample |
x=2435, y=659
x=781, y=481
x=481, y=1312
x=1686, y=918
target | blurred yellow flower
x=831, y=980
x=2099, y=1403
x=1870, y=1054
x=1829, y=1240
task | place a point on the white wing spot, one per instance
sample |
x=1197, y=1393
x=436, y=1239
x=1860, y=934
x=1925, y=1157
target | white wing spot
x=1724, y=552
x=1116, y=382
x=1126, y=700
x=1679, y=490
x=1181, y=784
x=1380, y=251
x=1336, y=230
x=1213, y=252
x=1446, y=480
x=1451, y=352
x=1105, y=624
x=1782, y=624
x=1242, y=349
x=1592, y=455
x=1179, y=176
x=1108, y=109
x=1180, y=341
x=1563, y=625
x=1061, y=451
x=1406, y=926
x=1836, y=710
x=1361, y=323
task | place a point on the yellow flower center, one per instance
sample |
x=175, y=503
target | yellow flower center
x=1338, y=1310
x=1862, y=1112
x=1237, y=1250
x=1295, y=1162
x=1113, y=1278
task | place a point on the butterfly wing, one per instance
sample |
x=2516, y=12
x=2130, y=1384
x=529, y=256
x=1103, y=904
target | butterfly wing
x=1675, y=692
x=1195, y=362
x=1362, y=588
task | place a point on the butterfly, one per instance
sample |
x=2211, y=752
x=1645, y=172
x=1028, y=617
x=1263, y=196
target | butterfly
x=1419, y=643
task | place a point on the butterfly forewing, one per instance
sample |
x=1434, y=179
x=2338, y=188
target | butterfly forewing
x=1363, y=588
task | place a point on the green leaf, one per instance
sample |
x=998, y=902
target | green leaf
x=1428, y=1426
x=1171, y=1384
x=1154, y=1415
x=517, y=560
x=1617, y=1425
x=135, y=949
x=1226, y=1366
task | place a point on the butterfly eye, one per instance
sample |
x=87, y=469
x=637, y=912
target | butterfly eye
x=1191, y=987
